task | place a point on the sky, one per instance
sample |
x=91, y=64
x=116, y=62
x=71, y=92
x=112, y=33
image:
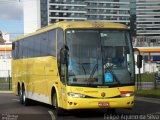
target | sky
x=11, y=17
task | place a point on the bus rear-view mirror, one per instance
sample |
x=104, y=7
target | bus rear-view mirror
x=139, y=61
x=64, y=55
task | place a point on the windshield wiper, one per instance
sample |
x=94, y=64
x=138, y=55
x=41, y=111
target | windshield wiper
x=83, y=69
x=93, y=71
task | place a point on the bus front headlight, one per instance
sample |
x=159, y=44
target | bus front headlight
x=127, y=94
x=76, y=95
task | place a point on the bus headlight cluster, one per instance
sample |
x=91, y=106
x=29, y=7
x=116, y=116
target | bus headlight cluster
x=76, y=95
x=127, y=94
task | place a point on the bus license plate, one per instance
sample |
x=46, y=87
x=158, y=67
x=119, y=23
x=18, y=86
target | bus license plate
x=103, y=104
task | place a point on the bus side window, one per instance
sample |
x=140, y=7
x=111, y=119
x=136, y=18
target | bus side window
x=60, y=41
x=16, y=50
x=25, y=51
x=30, y=47
x=43, y=41
x=52, y=42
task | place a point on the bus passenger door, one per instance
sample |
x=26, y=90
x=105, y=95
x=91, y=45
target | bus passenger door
x=62, y=66
x=63, y=77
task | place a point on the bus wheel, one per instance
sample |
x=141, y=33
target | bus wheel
x=59, y=111
x=24, y=99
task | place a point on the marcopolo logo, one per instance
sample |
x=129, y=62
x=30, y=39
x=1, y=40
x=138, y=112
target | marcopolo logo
x=103, y=94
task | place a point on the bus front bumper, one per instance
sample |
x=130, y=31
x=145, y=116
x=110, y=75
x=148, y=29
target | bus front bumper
x=94, y=103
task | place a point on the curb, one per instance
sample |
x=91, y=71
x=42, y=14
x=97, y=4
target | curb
x=6, y=91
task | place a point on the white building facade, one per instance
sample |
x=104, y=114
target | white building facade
x=148, y=23
x=31, y=12
x=5, y=55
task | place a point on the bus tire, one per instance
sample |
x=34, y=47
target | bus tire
x=18, y=89
x=20, y=96
x=59, y=111
x=25, y=100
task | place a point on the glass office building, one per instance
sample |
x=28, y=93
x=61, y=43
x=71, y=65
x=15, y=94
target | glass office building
x=46, y=12
x=148, y=22
x=101, y=10
x=66, y=10
x=142, y=16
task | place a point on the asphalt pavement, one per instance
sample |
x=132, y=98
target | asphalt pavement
x=11, y=109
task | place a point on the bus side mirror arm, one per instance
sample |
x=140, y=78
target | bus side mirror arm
x=139, y=58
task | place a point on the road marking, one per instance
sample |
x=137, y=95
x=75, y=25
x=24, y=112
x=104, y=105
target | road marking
x=52, y=115
x=16, y=100
x=6, y=91
x=150, y=100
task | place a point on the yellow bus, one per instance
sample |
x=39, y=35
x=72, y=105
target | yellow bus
x=75, y=65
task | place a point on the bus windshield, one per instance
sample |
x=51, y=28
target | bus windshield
x=99, y=57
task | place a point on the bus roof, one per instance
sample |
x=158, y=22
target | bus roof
x=76, y=24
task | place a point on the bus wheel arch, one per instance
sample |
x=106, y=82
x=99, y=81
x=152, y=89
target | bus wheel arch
x=54, y=96
x=53, y=91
